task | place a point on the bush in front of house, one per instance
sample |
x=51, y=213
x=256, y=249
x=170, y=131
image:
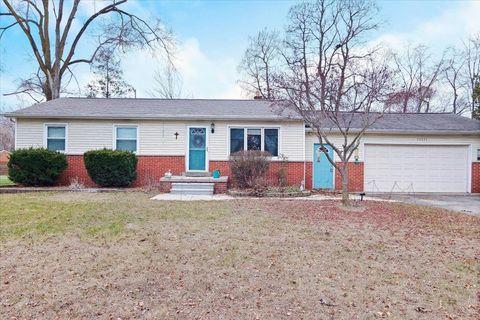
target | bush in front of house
x=249, y=168
x=36, y=166
x=111, y=168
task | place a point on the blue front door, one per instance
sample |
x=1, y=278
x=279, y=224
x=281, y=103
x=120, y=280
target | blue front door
x=197, y=149
x=322, y=168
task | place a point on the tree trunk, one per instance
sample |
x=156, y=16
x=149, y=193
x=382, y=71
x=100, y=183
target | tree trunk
x=345, y=194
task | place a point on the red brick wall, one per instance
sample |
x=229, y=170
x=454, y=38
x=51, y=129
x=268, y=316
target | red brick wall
x=309, y=176
x=294, y=171
x=220, y=187
x=4, y=156
x=476, y=177
x=355, y=177
x=76, y=170
x=149, y=170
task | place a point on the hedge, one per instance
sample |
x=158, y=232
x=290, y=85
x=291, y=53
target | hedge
x=111, y=168
x=36, y=166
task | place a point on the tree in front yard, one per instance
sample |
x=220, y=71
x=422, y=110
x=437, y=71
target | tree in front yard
x=330, y=77
x=7, y=134
x=56, y=29
x=476, y=101
x=108, y=77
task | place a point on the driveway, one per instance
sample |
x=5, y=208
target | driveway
x=466, y=203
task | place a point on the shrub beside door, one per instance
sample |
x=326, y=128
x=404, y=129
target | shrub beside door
x=111, y=168
x=249, y=168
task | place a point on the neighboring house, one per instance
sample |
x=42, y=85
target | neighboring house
x=400, y=153
x=4, y=154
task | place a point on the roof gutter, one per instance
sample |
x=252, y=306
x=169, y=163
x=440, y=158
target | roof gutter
x=153, y=117
x=400, y=131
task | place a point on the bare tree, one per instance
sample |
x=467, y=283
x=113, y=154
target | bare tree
x=108, y=76
x=167, y=82
x=50, y=27
x=456, y=80
x=258, y=62
x=476, y=100
x=331, y=79
x=418, y=74
x=472, y=62
x=7, y=134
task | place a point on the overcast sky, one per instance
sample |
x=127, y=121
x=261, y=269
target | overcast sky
x=213, y=34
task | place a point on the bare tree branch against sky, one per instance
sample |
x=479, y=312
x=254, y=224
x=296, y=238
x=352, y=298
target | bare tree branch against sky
x=48, y=27
x=213, y=35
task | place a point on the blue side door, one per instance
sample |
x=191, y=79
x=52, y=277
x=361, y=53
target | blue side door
x=197, y=149
x=322, y=168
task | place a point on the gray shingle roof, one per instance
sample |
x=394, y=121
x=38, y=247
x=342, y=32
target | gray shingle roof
x=118, y=108
x=211, y=109
x=414, y=122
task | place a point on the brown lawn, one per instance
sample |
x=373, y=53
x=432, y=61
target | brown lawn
x=110, y=256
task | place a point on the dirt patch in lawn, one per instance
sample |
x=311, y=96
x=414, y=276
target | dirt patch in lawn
x=245, y=259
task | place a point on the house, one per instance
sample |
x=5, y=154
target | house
x=400, y=153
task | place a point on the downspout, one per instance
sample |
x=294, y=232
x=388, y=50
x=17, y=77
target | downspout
x=302, y=187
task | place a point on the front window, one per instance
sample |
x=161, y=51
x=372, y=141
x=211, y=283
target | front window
x=126, y=138
x=254, y=139
x=56, y=138
x=236, y=140
x=264, y=139
x=271, y=141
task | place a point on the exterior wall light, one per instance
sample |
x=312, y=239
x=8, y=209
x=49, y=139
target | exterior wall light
x=212, y=127
x=356, y=156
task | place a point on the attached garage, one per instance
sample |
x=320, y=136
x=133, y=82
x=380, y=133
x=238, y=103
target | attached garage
x=417, y=168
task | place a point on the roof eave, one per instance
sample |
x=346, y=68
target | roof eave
x=400, y=131
x=153, y=117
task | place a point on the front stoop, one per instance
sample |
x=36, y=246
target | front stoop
x=192, y=188
x=187, y=185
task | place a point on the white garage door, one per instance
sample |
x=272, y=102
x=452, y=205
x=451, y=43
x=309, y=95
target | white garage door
x=416, y=168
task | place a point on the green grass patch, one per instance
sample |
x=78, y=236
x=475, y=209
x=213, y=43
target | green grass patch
x=4, y=181
x=92, y=215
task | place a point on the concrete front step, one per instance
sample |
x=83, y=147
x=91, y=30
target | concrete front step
x=192, y=188
x=192, y=192
x=193, y=185
x=196, y=174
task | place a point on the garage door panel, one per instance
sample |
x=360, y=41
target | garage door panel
x=418, y=168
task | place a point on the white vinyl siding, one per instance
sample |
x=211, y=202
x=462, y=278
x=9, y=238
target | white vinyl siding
x=30, y=133
x=89, y=135
x=158, y=137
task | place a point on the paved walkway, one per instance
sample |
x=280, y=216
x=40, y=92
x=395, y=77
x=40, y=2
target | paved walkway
x=186, y=197
x=222, y=197
x=466, y=203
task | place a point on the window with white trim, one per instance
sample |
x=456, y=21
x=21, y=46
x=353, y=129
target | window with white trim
x=56, y=137
x=126, y=138
x=264, y=139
